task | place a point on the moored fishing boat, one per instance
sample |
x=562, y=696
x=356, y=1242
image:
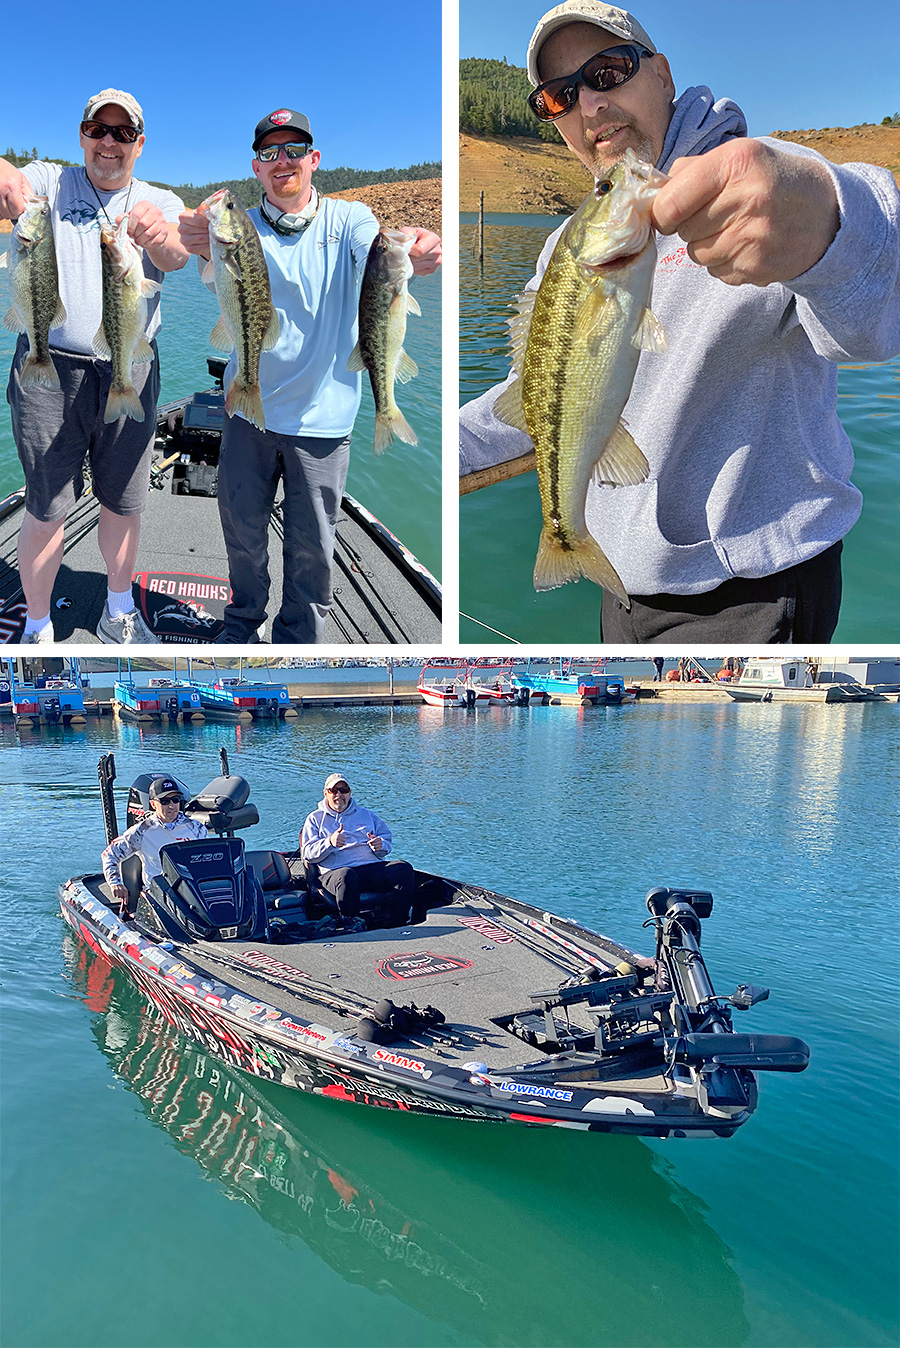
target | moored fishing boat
x=532, y=1018
x=160, y=700
x=776, y=679
x=382, y=593
x=566, y=686
x=242, y=699
x=442, y=683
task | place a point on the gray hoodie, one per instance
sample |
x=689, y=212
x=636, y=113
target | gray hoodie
x=749, y=464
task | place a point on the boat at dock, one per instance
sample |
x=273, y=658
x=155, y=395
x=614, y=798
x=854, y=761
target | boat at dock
x=52, y=699
x=245, y=700
x=161, y=700
x=382, y=593
x=531, y=1018
x=442, y=683
x=777, y=679
x=566, y=686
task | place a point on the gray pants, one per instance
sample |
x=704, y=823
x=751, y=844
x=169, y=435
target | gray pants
x=314, y=472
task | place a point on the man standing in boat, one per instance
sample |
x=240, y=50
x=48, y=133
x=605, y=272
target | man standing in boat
x=56, y=430
x=315, y=249
x=348, y=846
x=166, y=823
x=789, y=265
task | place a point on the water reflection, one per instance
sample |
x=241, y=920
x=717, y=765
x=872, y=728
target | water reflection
x=510, y=1236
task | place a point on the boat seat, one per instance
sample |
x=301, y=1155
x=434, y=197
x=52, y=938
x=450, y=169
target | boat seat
x=132, y=873
x=280, y=888
x=373, y=906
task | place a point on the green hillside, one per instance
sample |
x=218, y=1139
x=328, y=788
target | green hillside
x=492, y=101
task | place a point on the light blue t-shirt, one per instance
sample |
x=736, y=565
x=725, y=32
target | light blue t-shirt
x=78, y=211
x=315, y=278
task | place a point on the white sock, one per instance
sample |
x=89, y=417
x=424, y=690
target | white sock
x=37, y=624
x=119, y=603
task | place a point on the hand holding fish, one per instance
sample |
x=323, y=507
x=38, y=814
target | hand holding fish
x=193, y=229
x=425, y=254
x=15, y=190
x=748, y=213
x=147, y=225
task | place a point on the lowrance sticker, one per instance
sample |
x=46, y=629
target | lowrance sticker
x=545, y=1092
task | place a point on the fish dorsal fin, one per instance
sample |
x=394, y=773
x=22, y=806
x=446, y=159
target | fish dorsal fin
x=221, y=337
x=273, y=331
x=412, y=305
x=406, y=368
x=519, y=331
x=651, y=335
x=509, y=408
x=355, y=360
x=622, y=464
x=100, y=345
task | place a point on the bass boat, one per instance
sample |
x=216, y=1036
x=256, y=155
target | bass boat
x=519, y=1015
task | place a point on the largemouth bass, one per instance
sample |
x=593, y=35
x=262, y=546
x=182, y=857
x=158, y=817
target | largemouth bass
x=120, y=338
x=576, y=344
x=36, y=306
x=384, y=302
x=249, y=323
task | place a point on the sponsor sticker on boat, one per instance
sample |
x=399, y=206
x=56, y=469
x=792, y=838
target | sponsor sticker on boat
x=399, y=1060
x=485, y=927
x=421, y=964
x=545, y=1092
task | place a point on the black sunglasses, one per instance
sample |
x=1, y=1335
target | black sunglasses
x=294, y=150
x=125, y=135
x=607, y=70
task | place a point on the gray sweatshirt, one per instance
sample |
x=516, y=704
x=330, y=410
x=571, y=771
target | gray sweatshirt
x=749, y=464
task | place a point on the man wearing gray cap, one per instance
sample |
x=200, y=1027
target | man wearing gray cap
x=348, y=847
x=57, y=427
x=791, y=264
x=315, y=249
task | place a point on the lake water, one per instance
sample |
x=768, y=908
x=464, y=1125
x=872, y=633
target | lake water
x=129, y=1222
x=402, y=486
x=496, y=564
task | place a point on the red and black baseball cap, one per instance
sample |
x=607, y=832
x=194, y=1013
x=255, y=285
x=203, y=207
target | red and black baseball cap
x=282, y=119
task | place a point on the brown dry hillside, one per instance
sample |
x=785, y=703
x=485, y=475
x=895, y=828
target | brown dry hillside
x=517, y=174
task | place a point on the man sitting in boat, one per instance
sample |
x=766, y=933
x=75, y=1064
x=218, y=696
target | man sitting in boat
x=348, y=845
x=166, y=823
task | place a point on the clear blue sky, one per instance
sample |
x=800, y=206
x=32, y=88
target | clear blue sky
x=790, y=64
x=367, y=76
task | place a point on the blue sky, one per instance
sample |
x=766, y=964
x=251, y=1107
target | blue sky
x=205, y=75
x=790, y=64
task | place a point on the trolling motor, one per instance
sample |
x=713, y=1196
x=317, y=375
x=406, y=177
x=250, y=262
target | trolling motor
x=704, y=1039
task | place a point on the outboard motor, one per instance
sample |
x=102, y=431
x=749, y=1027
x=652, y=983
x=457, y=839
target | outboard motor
x=205, y=892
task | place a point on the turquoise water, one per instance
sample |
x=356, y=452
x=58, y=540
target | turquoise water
x=496, y=590
x=128, y=1220
x=402, y=486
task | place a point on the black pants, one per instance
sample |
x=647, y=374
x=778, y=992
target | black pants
x=799, y=604
x=395, y=878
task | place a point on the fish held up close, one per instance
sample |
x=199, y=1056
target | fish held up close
x=121, y=338
x=384, y=302
x=576, y=343
x=34, y=284
x=249, y=324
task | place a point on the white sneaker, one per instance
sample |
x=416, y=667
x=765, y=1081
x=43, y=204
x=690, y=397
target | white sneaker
x=124, y=629
x=43, y=638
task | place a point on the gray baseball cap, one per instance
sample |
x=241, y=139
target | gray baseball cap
x=610, y=17
x=122, y=100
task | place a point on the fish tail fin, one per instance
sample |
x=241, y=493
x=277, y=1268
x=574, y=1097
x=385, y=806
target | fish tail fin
x=246, y=399
x=557, y=565
x=36, y=371
x=389, y=424
x=123, y=402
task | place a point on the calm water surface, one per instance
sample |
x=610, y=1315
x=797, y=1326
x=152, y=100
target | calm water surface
x=496, y=563
x=133, y=1218
x=402, y=486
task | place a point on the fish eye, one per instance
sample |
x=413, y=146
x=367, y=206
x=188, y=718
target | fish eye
x=230, y=205
x=604, y=187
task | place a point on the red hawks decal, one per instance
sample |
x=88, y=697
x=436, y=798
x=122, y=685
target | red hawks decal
x=420, y=965
x=280, y=117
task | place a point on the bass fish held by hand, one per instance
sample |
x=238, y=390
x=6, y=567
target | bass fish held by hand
x=249, y=324
x=120, y=338
x=36, y=306
x=576, y=343
x=384, y=302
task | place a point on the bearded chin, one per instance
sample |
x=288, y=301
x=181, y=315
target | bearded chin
x=602, y=161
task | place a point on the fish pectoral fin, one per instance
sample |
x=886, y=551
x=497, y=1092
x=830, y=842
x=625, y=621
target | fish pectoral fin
x=622, y=463
x=594, y=310
x=273, y=331
x=651, y=335
x=412, y=305
x=143, y=352
x=221, y=337
x=509, y=408
x=12, y=322
x=233, y=266
x=59, y=316
x=208, y=273
x=100, y=345
x=355, y=360
x=149, y=287
x=406, y=368
x=4, y=260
